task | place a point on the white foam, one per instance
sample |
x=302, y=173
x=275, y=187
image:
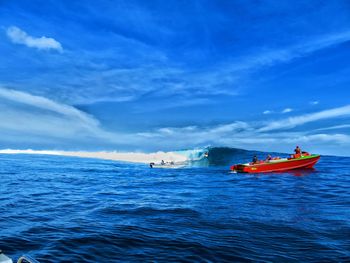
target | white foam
x=136, y=157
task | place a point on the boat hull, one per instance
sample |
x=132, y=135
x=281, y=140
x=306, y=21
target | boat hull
x=168, y=166
x=278, y=165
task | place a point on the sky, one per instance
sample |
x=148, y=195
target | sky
x=169, y=75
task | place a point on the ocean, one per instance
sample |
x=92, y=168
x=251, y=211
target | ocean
x=69, y=209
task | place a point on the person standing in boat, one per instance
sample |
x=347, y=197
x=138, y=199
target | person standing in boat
x=268, y=158
x=255, y=159
x=297, y=151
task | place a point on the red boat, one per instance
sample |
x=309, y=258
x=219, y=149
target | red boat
x=297, y=161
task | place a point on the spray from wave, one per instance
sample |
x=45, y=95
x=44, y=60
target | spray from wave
x=185, y=156
x=201, y=157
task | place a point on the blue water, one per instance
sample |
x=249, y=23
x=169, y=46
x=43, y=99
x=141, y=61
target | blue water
x=60, y=209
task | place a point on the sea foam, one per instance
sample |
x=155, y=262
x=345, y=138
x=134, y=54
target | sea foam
x=135, y=157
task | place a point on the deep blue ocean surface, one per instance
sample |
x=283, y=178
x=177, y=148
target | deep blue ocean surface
x=64, y=209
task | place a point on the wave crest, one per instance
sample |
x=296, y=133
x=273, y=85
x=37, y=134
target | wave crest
x=135, y=157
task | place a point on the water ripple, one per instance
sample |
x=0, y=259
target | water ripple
x=61, y=209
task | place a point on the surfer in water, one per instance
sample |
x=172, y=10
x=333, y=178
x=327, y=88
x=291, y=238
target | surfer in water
x=162, y=163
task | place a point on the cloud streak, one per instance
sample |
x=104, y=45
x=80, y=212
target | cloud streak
x=18, y=36
x=49, y=105
x=307, y=118
x=242, y=135
x=287, y=110
x=157, y=74
x=35, y=119
x=283, y=55
x=336, y=127
x=39, y=120
x=256, y=135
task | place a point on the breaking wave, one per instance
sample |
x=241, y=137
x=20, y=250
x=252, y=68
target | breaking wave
x=184, y=156
x=206, y=156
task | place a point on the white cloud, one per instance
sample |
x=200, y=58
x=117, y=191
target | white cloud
x=255, y=135
x=305, y=48
x=231, y=127
x=336, y=127
x=271, y=57
x=26, y=118
x=246, y=136
x=315, y=102
x=267, y=112
x=335, y=138
x=18, y=36
x=97, y=82
x=39, y=119
x=300, y=120
x=47, y=104
x=287, y=110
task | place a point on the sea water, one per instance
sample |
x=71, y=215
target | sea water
x=67, y=209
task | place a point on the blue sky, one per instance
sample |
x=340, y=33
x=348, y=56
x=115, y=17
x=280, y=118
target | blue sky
x=167, y=75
